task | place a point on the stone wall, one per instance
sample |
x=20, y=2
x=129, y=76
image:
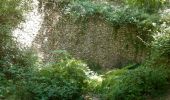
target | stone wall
x=93, y=40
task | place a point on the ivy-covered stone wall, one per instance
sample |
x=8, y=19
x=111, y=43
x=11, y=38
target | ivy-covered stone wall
x=92, y=40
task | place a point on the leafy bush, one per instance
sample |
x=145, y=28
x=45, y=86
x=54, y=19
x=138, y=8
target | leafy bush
x=134, y=84
x=10, y=16
x=14, y=74
x=14, y=62
x=160, y=52
x=116, y=15
x=62, y=81
x=67, y=78
x=149, y=5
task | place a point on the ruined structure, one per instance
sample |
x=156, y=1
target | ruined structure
x=94, y=40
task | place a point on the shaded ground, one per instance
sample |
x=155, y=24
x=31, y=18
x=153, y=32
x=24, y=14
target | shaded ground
x=165, y=96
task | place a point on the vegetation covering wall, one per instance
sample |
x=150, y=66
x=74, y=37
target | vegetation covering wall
x=23, y=77
x=106, y=35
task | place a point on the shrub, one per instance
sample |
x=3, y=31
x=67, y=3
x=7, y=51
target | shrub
x=160, y=53
x=62, y=81
x=135, y=84
x=13, y=76
x=10, y=16
x=149, y=5
x=109, y=80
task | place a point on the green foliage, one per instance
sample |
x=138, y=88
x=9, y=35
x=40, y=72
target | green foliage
x=163, y=46
x=67, y=79
x=15, y=63
x=160, y=51
x=118, y=17
x=110, y=79
x=15, y=69
x=11, y=12
x=63, y=81
x=148, y=5
x=94, y=85
x=134, y=84
x=10, y=16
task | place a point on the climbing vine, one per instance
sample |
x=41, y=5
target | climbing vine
x=117, y=16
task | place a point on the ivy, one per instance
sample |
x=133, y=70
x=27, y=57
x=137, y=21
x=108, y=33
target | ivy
x=117, y=16
x=148, y=5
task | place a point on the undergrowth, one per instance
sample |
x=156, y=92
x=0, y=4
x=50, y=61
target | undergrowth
x=23, y=78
